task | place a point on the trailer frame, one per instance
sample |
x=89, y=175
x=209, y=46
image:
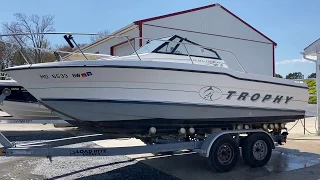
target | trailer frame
x=202, y=147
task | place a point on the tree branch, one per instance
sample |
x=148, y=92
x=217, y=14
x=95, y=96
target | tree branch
x=31, y=24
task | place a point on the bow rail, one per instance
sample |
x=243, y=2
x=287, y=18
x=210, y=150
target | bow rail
x=68, y=36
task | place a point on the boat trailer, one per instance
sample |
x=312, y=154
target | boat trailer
x=221, y=148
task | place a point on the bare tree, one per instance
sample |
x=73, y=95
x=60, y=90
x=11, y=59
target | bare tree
x=101, y=35
x=64, y=48
x=8, y=52
x=31, y=24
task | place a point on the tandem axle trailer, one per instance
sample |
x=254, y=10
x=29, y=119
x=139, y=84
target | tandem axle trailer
x=221, y=148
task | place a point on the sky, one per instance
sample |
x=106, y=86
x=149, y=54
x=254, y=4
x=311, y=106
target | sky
x=292, y=24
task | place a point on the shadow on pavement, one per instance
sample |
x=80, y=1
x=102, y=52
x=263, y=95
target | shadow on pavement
x=35, y=135
x=193, y=166
x=140, y=172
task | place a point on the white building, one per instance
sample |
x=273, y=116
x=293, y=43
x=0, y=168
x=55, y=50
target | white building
x=213, y=26
x=312, y=53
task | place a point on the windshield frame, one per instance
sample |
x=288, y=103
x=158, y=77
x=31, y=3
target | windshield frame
x=157, y=50
x=148, y=43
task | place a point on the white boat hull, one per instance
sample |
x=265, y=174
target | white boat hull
x=144, y=92
x=24, y=110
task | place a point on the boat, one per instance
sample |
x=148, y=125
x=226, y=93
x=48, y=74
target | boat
x=167, y=85
x=20, y=104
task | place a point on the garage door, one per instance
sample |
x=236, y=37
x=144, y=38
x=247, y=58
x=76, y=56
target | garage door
x=123, y=48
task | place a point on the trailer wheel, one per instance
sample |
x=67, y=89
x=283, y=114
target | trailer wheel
x=257, y=149
x=224, y=154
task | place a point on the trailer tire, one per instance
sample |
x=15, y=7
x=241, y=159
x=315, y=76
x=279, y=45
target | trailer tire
x=257, y=149
x=224, y=154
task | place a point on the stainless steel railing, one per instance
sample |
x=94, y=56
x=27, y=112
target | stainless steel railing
x=69, y=38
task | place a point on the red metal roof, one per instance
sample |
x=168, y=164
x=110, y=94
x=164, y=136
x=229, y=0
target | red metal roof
x=200, y=8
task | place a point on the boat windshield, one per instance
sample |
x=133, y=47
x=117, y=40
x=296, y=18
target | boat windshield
x=178, y=46
x=152, y=45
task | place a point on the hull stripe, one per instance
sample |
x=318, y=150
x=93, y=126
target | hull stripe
x=168, y=103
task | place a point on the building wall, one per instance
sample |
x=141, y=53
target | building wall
x=254, y=57
x=105, y=47
x=216, y=28
x=212, y=27
x=214, y=20
x=124, y=48
x=313, y=48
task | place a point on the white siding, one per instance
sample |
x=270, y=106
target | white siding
x=104, y=48
x=214, y=20
x=124, y=49
x=313, y=48
x=255, y=57
x=213, y=27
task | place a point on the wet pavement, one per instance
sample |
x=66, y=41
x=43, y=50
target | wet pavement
x=193, y=166
x=286, y=163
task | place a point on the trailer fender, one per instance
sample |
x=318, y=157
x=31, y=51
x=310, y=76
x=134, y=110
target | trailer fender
x=206, y=145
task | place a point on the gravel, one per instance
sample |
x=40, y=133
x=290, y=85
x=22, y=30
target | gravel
x=113, y=167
